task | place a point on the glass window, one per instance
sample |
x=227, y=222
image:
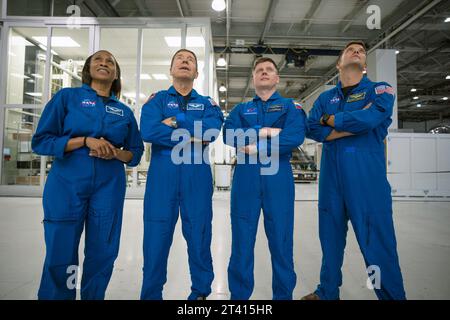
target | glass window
x=26, y=66
x=122, y=43
x=159, y=45
x=29, y=7
x=195, y=41
x=70, y=48
x=20, y=165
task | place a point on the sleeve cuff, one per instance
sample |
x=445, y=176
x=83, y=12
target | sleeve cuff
x=338, y=121
x=135, y=160
x=181, y=119
x=326, y=132
x=60, y=146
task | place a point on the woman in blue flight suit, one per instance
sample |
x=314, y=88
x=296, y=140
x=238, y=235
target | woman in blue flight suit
x=91, y=134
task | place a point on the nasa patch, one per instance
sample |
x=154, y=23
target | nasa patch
x=251, y=110
x=172, y=105
x=88, y=103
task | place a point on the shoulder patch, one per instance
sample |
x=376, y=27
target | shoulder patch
x=213, y=103
x=297, y=105
x=380, y=89
x=151, y=97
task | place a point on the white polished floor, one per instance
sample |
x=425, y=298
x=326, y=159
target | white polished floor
x=423, y=236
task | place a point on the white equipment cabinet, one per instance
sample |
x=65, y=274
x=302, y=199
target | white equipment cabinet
x=222, y=176
x=418, y=164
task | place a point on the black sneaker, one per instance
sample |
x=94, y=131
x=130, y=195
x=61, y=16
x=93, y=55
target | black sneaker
x=311, y=296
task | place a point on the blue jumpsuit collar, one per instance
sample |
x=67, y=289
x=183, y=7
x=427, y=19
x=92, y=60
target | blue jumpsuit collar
x=89, y=88
x=274, y=96
x=362, y=84
x=173, y=91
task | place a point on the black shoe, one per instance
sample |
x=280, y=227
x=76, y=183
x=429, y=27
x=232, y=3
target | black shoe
x=201, y=298
x=311, y=296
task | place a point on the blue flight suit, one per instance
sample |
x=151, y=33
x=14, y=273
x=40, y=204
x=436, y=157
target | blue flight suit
x=83, y=190
x=353, y=185
x=172, y=188
x=252, y=191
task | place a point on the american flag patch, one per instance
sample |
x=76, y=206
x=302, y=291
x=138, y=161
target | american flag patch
x=383, y=88
x=214, y=103
x=298, y=105
x=151, y=97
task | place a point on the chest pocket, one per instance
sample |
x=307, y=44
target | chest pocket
x=249, y=116
x=275, y=116
x=171, y=108
x=196, y=109
x=356, y=101
x=115, y=128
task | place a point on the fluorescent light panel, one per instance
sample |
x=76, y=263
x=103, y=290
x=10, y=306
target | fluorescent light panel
x=61, y=42
x=196, y=42
x=159, y=76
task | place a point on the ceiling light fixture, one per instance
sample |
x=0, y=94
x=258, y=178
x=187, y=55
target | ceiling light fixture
x=221, y=62
x=222, y=88
x=218, y=5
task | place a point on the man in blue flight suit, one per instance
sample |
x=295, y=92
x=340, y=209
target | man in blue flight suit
x=174, y=187
x=279, y=126
x=351, y=120
x=91, y=134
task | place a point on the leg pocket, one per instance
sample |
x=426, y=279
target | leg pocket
x=61, y=201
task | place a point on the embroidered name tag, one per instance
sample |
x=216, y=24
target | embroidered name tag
x=172, y=105
x=114, y=110
x=195, y=106
x=275, y=108
x=87, y=103
x=356, y=97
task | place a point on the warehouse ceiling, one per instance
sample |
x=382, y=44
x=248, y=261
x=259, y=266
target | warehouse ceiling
x=309, y=34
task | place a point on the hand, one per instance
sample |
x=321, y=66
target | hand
x=95, y=154
x=168, y=122
x=368, y=106
x=195, y=140
x=101, y=148
x=249, y=149
x=266, y=132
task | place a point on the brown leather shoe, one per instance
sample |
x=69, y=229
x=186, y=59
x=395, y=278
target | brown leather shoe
x=311, y=296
